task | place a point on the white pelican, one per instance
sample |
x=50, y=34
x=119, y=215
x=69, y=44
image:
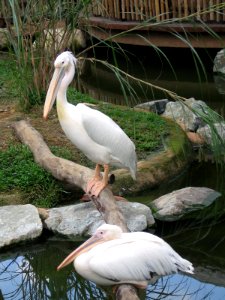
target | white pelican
x=94, y=133
x=112, y=257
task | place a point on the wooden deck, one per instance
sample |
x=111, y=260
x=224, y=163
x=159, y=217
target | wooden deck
x=168, y=35
x=167, y=23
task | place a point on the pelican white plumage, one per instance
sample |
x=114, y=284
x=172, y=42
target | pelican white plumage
x=112, y=257
x=94, y=133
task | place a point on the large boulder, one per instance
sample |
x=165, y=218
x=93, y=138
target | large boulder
x=156, y=106
x=207, y=133
x=219, y=62
x=19, y=223
x=175, y=205
x=183, y=113
x=81, y=220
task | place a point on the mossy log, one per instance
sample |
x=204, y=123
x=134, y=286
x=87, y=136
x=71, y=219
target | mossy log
x=77, y=175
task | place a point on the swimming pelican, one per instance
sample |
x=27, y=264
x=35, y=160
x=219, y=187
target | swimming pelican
x=112, y=257
x=94, y=133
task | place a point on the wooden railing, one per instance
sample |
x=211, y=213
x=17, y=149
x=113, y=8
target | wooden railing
x=158, y=10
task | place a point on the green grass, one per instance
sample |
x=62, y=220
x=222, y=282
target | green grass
x=9, y=80
x=19, y=172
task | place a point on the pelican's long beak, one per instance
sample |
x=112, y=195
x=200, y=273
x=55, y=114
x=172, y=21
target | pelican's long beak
x=53, y=90
x=90, y=243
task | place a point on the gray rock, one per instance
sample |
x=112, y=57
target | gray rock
x=157, y=106
x=75, y=221
x=219, y=62
x=206, y=132
x=219, y=80
x=181, y=113
x=19, y=223
x=138, y=216
x=175, y=205
x=4, y=42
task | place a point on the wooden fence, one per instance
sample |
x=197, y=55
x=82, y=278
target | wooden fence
x=159, y=10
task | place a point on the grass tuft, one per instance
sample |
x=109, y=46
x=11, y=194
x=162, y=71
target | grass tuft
x=18, y=171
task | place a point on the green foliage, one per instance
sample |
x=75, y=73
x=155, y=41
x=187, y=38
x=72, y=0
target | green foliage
x=18, y=171
x=9, y=85
x=41, y=19
x=76, y=97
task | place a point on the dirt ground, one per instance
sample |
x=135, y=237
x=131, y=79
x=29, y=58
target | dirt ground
x=50, y=130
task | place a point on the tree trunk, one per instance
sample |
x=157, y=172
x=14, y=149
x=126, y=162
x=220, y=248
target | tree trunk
x=75, y=175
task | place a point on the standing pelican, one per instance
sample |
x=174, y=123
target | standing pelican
x=112, y=257
x=94, y=133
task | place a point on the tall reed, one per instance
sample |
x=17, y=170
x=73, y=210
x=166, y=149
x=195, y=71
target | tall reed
x=38, y=31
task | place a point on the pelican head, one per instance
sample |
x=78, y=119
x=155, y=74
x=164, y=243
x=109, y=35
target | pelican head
x=104, y=233
x=64, y=69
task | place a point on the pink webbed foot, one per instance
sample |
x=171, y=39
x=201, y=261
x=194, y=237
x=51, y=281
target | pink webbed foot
x=91, y=184
x=97, y=184
x=97, y=188
x=94, y=187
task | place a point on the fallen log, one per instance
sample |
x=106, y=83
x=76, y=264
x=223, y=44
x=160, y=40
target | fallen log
x=77, y=175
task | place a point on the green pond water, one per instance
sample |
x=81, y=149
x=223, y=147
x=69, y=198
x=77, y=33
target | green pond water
x=29, y=271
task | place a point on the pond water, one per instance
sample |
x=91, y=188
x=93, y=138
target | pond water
x=29, y=271
x=178, y=72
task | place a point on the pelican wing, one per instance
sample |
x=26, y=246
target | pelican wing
x=125, y=260
x=104, y=131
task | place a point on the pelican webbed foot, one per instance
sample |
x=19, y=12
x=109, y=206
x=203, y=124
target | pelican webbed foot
x=97, y=183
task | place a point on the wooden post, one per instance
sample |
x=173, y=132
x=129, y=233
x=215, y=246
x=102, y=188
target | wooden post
x=136, y=10
x=110, y=6
x=211, y=11
x=174, y=7
x=198, y=9
x=167, y=10
x=217, y=14
x=185, y=8
x=157, y=10
x=204, y=6
x=146, y=9
x=151, y=9
x=123, y=9
x=179, y=4
x=141, y=12
x=127, y=10
x=162, y=10
x=132, y=9
x=193, y=8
